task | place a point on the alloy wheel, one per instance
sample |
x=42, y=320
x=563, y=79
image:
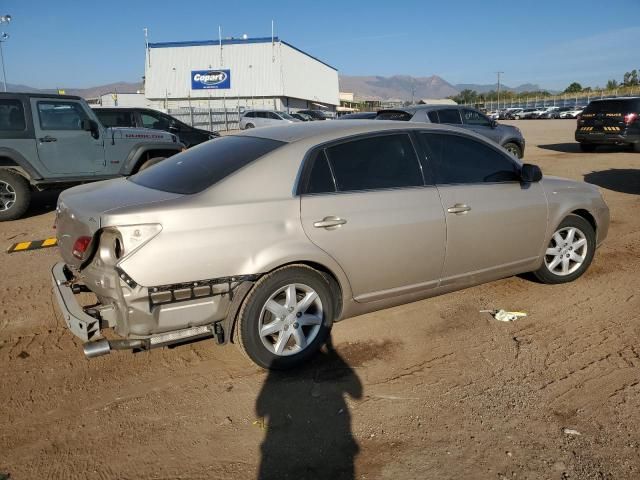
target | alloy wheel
x=290, y=319
x=7, y=196
x=566, y=252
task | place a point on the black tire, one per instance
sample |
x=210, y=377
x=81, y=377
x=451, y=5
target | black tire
x=148, y=163
x=636, y=147
x=15, y=195
x=588, y=147
x=545, y=275
x=514, y=149
x=248, y=126
x=248, y=337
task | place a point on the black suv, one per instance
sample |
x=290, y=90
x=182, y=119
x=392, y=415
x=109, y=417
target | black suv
x=614, y=121
x=149, y=118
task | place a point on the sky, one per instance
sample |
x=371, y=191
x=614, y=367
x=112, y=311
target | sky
x=64, y=44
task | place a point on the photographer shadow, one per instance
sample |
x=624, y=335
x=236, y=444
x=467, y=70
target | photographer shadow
x=307, y=420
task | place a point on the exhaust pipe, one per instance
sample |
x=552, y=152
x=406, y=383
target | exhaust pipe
x=103, y=347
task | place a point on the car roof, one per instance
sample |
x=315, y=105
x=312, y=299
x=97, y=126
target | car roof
x=40, y=95
x=428, y=106
x=333, y=129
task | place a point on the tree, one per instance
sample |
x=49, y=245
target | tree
x=612, y=84
x=634, y=77
x=575, y=87
x=626, y=79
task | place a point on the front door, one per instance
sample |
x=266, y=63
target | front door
x=63, y=146
x=366, y=205
x=496, y=225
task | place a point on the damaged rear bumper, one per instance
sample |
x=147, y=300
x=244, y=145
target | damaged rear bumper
x=210, y=315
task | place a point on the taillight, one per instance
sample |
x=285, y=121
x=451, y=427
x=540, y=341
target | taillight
x=80, y=247
x=629, y=118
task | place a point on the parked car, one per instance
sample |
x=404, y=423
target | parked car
x=316, y=114
x=264, y=118
x=525, y=113
x=562, y=111
x=512, y=113
x=548, y=112
x=358, y=216
x=53, y=141
x=303, y=117
x=507, y=136
x=613, y=121
x=134, y=117
x=573, y=113
x=358, y=116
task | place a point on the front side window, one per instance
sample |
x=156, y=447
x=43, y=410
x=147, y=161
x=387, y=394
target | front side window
x=250, y=115
x=385, y=161
x=272, y=116
x=457, y=159
x=61, y=115
x=154, y=121
x=12, y=116
x=450, y=115
x=115, y=118
x=473, y=117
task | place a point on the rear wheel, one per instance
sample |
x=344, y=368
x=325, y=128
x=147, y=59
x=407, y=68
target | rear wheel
x=636, y=147
x=588, y=147
x=569, y=252
x=286, y=317
x=514, y=149
x=15, y=195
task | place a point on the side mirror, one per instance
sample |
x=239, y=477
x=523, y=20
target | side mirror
x=90, y=126
x=530, y=173
x=494, y=123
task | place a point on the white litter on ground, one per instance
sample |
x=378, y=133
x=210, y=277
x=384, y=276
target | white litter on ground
x=504, y=316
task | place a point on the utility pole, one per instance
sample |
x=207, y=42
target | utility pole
x=3, y=38
x=499, y=73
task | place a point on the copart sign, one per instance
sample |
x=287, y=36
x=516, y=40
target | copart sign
x=210, y=79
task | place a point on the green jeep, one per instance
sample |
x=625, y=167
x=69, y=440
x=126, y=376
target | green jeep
x=55, y=141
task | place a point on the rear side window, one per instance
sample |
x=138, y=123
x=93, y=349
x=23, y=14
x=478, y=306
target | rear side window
x=433, y=116
x=450, y=115
x=61, y=115
x=200, y=167
x=116, y=118
x=456, y=159
x=394, y=115
x=12, y=116
x=385, y=161
x=320, y=177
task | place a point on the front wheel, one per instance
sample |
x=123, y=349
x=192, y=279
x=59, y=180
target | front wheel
x=286, y=317
x=15, y=195
x=248, y=126
x=569, y=252
x=150, y=163
x=514, y=149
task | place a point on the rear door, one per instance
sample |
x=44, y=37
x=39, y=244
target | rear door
x=63, y=146
x=477, y=122
x=365, y=203
x=495, y=224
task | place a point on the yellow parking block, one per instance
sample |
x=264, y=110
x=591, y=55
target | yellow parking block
x=33, y=245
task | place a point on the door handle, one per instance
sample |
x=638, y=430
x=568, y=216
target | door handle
x=330, y=223
x=47, y=139
x=459, y=209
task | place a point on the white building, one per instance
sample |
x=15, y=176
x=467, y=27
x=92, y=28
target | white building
x=245, y=73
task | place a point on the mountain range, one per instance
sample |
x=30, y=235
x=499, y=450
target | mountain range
x=398, y=87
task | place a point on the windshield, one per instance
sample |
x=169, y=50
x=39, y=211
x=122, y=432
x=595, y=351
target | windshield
x=614, y=106
x=285, y=115
x=200, y=167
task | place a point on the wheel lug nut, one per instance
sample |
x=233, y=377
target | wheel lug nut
x=296, y=325
x=299, y=314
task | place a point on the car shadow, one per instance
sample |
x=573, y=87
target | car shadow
x=624, y=180
x=42, y=202
x=574, y=147
x=307, y=421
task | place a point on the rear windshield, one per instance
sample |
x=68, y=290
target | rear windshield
x=394, y=115
x=200, y=167
x=614, y=106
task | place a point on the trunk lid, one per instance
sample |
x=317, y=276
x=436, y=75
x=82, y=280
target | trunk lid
x=80, y=209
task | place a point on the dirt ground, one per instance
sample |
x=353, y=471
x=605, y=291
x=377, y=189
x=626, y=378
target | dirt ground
x=429, y=390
